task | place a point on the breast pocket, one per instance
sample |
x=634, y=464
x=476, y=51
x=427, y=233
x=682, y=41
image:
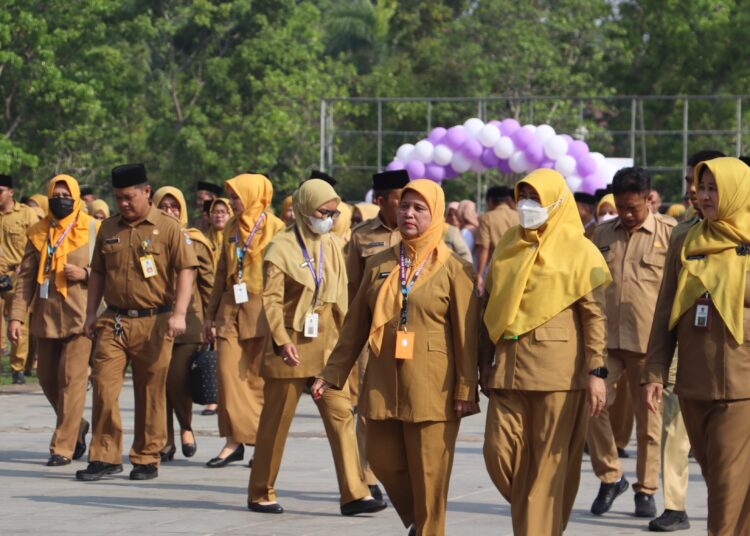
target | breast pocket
x=114, y=254
x=652, y=266
x=545, y=334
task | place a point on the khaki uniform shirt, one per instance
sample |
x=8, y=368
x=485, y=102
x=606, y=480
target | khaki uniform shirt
x=117, y=257
x=368, y=238
x=13, y=227
x=493, y=224
x=202, y=287
x=636, y=262
x=456, y=243
x=444, y=316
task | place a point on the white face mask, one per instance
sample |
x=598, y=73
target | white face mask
x=532, y=215
x=320, y=226
x=607, y=217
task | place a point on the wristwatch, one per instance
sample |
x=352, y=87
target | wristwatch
x=600, y=372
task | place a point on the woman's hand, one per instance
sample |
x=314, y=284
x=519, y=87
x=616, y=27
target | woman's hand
x=464, y=407
x=652, y=393
x=74, y=273
x=318, y=388
x=596, y=394
x=485, y=372
x=290, y=355
x=209, y=332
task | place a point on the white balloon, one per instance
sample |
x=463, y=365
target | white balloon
x=518, y=162
x=404, y=153
x=574, y=182
x=598, y=158
x=423, y=151
x=473, y=126
x=477, y=166
x=544, y=133
x=442, y=155
x=368, y=196
x=504, y=147
x=555, y=147
x=460, y=163
x=566, y=165
x=530, y=127
x=489, y=135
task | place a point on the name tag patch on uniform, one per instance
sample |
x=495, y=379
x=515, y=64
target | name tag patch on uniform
x=383, y=275
x=604, y=249
x=375, y=244
x=113, y=240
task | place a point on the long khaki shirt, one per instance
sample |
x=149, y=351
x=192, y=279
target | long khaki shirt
x=368, y=238
x=202, y=287
x=494, y=224
x=13, y=227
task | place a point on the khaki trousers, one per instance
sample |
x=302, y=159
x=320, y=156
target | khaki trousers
x=533, y=449
x=601, y=441
x=414, y=463
x=719, y=431
x=281, y=399
x=179, y=398
x=18, y=351
x=675, y=448
x=63, y=374
x=145, y=345
x=361, y=368
x=621, y=414
x=240, y=387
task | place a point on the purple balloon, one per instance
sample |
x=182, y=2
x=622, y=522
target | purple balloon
x=547, y=164
x=497, y=124
x=489, y=158
x=522, y=138
x=567, y=138
x=450, y=173
x=395, y=166
x=577, y=149
x=509, y=126
x=504, y=166
x=472, y=149
x=436, y=135
x=415, y=169
x=586, y=165
x=435, y=172
x=535, y=152
x=593, y=182
x=455, y=137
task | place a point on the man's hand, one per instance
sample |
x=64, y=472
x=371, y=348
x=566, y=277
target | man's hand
x=596, y=394
x=290, y=355
x=652, y=393
x=89, y=327
x=14, y=331
x=74, y=273
x=176, y=325
x=463, y=407
x=485, y=373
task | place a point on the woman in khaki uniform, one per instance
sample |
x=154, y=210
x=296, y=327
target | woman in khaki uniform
x=99, y=209
x=413, y=401
x=305, y=300
x=235, y=314
x=704, y=305
x=55, y=270
x=179, y=399
x=542, y=354
x=219, y=215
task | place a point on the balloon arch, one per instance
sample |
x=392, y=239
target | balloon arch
x=504, y=145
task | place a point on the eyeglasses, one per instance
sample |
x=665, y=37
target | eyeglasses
x=169, y=206
x=331, y=213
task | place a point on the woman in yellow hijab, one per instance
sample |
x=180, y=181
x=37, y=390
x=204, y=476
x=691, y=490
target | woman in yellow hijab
x=605, y=209
x=40, y=203
x=542, y=354
x=99, y=209
x=363, y=212
x=179, y=399
x=305, y=300
x=342, y=226
x=287, y=211
x=52, y=280
x=704, y=308
x=413, y=395
x=219, y=214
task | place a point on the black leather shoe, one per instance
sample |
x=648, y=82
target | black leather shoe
x=362, y=506
x=208, y=412
x=18, y=378
x=237, y=455
x=97, y=470
x=144, y=471
x=167, y=455
x=412, y=531
x=607, y=495
x=622, y=453
x=56, y=460
x=375, y=492
x=189, y=449
x=80, y=449
x=250, y=463
x=645, y=506
x=273, y=508
x=670, y=521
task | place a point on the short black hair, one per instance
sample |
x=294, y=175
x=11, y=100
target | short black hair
x=745, y=159
x=703, y=155
x=498, y=194
x=382, y=193
x=631, y=179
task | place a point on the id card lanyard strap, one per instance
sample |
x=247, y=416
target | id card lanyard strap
x=52, y=249
x=242, y=250
x=406, y=288
x=318, y=278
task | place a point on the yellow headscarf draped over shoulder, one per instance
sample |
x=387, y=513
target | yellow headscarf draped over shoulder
x=286, y=253
x=216, y=236
x=49, y=229
x=255, y=191
x=536, y=274
x=607, y=199
x=714, y=265
x=418, y=249
x=194, y=234
x=97, y=205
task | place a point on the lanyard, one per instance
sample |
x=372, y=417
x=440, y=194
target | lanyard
x=318, y=278
x=51, y=249
x=242, y=250
x=406, y=289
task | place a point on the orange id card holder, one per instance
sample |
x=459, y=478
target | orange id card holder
x=404, y=345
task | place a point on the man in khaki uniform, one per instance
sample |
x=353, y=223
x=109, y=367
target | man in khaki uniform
x=15, y=220
x=634, y=246
x=205, y=192
x=500, y=217
x=136, y=257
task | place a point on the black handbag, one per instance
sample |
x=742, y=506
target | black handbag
x=203, y=384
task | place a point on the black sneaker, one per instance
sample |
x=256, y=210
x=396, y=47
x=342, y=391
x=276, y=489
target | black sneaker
x=144, y=471
x=607, y=495
x=645, y=506
x=97, y=470
x=670, y=521
x=57, y=460
x=18, y=378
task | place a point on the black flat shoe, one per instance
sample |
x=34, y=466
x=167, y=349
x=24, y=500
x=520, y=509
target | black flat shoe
x=98, y=470
x=273, y=508
x=208, y=412
x=362, y=506
x=168, y=455
x=622, y=453
x=56, y=460
x=607, y=495
x=237, y=455
x=250, y=463
x=80, y=449
x=189, y=449
x=144, y=471
x=375, y=492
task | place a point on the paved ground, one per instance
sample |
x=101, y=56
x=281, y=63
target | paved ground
x=189, y=498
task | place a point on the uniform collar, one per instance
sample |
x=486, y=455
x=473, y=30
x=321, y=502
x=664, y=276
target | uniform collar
x=377, y=222
x=649, y=225
x=16, y=208
x=151, y=217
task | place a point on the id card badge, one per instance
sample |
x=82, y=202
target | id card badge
x=240, y=293
x=44, y=289
x=148, y=265
x=702, y=313
x=404, y=345
x=311, y=325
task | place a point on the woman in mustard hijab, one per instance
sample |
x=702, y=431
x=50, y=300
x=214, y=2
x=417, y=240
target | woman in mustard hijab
x=235, y=315
x=542, y=354
x=305, y=300
x=363, y=212
x=704, y=308
x=53, y=280
x=179, y=399
x=413, y=395
x=287, y=211
x=605, y=209
x=219, y=214
x=99, y=209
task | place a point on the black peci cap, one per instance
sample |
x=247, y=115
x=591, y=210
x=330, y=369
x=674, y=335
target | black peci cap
x=390, y=180
x=316, y=174
x=6, y=180
x=86, y=190
x=583, y=197
x=209, y=187
x=128, y=175
x=207, y=206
